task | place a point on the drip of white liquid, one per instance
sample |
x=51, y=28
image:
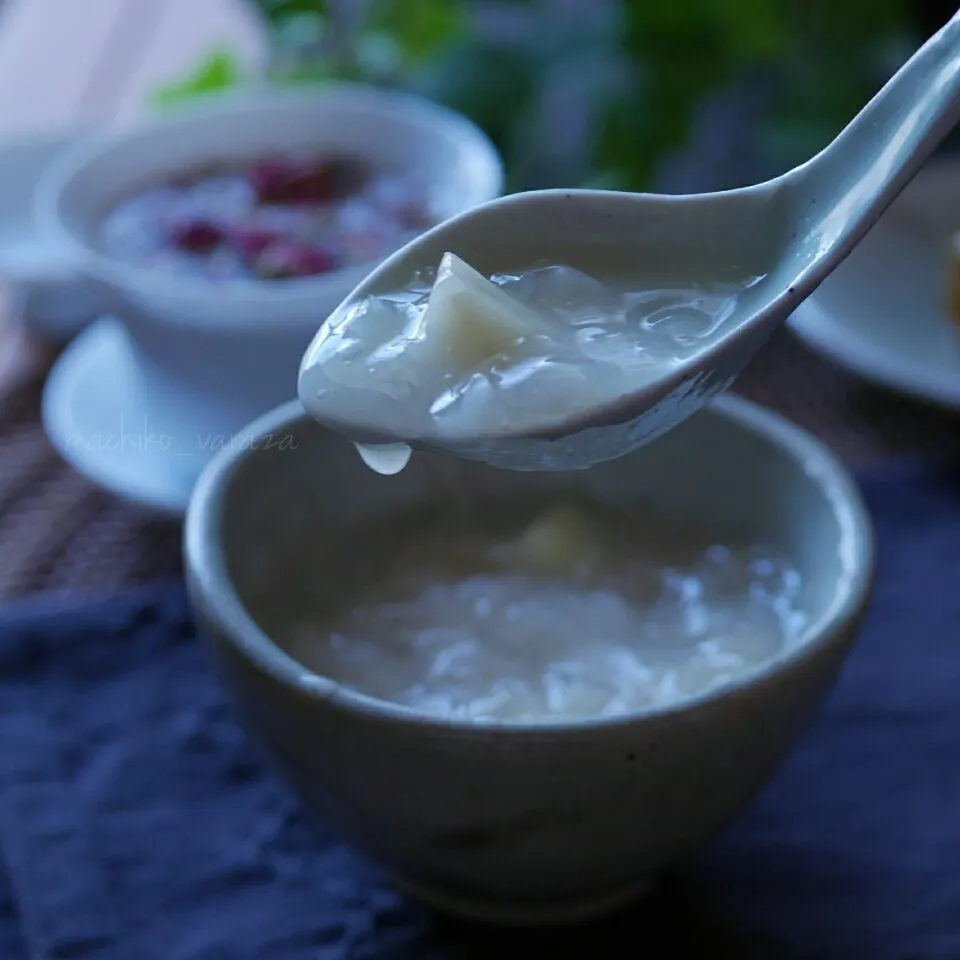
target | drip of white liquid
x=386, y=458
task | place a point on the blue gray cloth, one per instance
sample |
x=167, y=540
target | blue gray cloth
x=136, y=823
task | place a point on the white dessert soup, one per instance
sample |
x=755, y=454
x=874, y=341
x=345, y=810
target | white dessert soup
x=529, y=613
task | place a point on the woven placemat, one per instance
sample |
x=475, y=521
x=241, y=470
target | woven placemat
x=60, y=533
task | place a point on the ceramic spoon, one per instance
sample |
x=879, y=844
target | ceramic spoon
x=793, y=231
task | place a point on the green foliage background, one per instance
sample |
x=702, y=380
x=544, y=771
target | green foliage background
x=627, y=77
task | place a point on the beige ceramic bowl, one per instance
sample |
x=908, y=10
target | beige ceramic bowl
x=511, y=823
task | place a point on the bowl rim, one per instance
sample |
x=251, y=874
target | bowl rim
x=48, y=211
x=212, y=590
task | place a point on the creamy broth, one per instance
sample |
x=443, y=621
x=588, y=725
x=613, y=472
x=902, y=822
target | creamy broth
x=456, y=354
x=547, y=614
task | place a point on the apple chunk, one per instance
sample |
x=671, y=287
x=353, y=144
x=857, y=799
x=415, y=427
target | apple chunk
x=562, y=541
x=470, y=320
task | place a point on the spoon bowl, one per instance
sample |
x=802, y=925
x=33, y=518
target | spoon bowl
x=790, y=232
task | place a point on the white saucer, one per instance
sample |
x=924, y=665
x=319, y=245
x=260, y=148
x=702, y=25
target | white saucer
x=104, y=420
x=885, y=312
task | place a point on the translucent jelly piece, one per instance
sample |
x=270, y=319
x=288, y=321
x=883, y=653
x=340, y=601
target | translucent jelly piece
x=618, y=351
x=511, y=399
x=347, y=353
x=575, y=296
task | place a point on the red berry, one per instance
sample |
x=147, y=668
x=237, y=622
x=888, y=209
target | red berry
x=312, y=183
x=311, y=188
x=197, y=236
x=270, y=180
x=332, y=179
x=249, y=242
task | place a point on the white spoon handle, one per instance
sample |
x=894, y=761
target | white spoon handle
x=842, y=191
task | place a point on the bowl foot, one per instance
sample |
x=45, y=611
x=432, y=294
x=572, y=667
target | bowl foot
x=525, y=913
